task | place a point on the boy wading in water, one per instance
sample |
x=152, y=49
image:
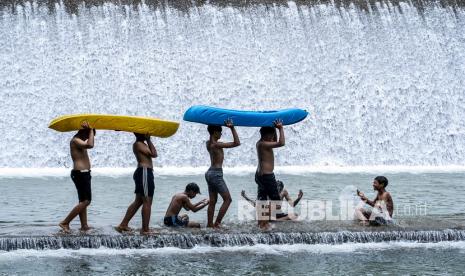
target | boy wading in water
x=214, y=175
x=80, y=143
x=383, y=206
x=144, y=181
x=267, y=188
x=183, y=200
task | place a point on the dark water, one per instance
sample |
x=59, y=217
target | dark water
x=36, y=205
x=348, y=259
x=424, y=241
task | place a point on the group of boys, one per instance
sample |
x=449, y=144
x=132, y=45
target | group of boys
x=268, y=188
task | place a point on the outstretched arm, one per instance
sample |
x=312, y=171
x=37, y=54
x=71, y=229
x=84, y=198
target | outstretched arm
x=195, y=207
x=365, y=199
x=248, y=199
x=299, y=197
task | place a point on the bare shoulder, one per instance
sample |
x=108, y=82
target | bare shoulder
x=139, y=145
x=386, y=196
x=181, y=197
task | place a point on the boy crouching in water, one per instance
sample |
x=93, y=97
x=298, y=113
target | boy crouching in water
x=182, y=200
x=383, y=205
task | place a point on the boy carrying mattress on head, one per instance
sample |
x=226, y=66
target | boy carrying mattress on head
x=80, y=143
x=267, y=187
x=214, y=175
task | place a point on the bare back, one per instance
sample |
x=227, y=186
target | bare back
x=143, y=159
x=265, y=159
x=79, y=154
x=177, y=203
x=216, y=155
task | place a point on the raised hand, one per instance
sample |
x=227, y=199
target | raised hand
x=278, y=123
x=85, y=125
x=229, y=123
x=301, y=194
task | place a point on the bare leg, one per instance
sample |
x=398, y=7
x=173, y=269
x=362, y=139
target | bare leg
x=146, y=211
x=132, y=210
x=211, y=208
x=224, y=207
x=362, y=215
x=74, y=212
x=83, y=219
x=264, y=223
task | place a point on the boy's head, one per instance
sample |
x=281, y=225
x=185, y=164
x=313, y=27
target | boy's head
x=380, y=182
x=280, y=186
x=215, y=131
x=192, y=190
x=85, y=132
x=268, y=134
x=139, y=137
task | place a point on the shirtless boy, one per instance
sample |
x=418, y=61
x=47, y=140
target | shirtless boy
x=183, y=200
x=283, y=195
x=267, y=187
x=214, y=175
x=383, y=204
x=80, y=143
x=144, y=151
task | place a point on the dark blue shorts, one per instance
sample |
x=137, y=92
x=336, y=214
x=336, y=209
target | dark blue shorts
x=175, y=221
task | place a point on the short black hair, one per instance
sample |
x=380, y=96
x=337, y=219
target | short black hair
x=212, y=129
x=139, y=136
x=193, y=187
x=382, y=180
x=86, y=131
x=264, y=131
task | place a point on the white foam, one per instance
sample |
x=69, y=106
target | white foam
x=356, y=248
x=238, y=171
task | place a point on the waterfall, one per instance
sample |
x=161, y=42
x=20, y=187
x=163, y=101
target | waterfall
x=383, y=83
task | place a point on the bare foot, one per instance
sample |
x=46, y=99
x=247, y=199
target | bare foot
x=219, y=226
x=123, y=229
x=65, y=227
x=363, y=223
x=210, y=226
x=266, y=227
x=147, y=233
x=85, y=228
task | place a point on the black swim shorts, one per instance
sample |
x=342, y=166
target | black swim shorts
x=267, y=188
x=82, y=181
x=144, y=181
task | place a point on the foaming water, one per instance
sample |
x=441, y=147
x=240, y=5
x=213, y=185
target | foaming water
x=384, y=87
x=254, y=249
x=237, y=171
x=192, y=240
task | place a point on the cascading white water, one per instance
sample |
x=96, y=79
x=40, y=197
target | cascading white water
x=383, y=87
